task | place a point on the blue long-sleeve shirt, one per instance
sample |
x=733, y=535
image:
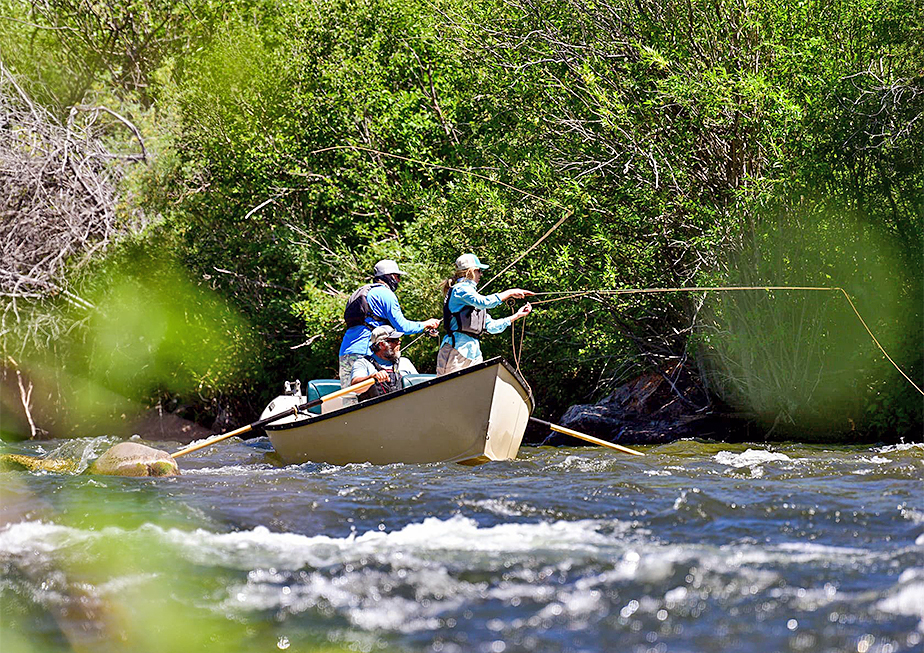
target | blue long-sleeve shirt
x=465, y=293
x=382, y=301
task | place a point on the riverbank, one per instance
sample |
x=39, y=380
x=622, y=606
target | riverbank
x=664, y=406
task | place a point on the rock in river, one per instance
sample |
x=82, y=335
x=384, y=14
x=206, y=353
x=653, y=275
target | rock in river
x=124, y=459
x=133, y=459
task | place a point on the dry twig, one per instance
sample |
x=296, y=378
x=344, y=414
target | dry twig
x=58, y=197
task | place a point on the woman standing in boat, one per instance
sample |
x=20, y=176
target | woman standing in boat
x=465, y=315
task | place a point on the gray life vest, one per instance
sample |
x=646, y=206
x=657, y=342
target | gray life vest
x=380, y=388
x=471, y=321
x=357, y=310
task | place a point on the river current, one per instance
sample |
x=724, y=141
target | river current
x=698, y=546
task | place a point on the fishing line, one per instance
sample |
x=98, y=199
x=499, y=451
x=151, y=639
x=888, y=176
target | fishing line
x=568, y=212
x=359, y=148
x=570, y=294
x=518, y=354
x=548, y=233
x=623, y=291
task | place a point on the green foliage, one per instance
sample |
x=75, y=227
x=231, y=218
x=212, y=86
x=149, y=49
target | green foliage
x=67, y=50
x=149, y=333
x=803, y=361
x=695, y=143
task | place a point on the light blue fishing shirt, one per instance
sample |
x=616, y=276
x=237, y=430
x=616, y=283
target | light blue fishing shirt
x=465, y=293
x=382, y=301
x=364, y=367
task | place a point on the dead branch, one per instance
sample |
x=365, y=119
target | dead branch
x=58, y=199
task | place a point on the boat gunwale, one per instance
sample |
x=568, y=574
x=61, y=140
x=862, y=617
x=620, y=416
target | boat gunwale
x=313, y=419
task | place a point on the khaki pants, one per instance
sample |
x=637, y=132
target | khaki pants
x=346, y=373
x=449, y=360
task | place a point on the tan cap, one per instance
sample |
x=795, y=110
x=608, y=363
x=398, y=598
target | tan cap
x=469, y=261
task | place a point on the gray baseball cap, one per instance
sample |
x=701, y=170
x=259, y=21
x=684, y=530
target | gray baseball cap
x=384, y=332
x=386, y=266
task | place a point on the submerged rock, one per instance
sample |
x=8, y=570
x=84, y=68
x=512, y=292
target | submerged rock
x=133, y=459
x=34, y=464
x=124, y=459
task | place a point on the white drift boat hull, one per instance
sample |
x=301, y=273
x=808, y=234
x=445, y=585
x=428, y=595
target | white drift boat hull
x=473, y=416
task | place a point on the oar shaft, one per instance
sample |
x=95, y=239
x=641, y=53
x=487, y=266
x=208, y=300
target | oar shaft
x=587, y=438
x=217, y=438
x=359, y=387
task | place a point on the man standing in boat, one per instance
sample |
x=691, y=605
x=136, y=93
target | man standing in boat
x=465, y=315
x=385, y=364
x=371, y=306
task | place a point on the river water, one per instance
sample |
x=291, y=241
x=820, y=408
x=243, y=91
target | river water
x=698, y=546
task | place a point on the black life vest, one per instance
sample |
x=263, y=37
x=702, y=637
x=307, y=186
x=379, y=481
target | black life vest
x=357, y=310
x=380, y=388
x=471, y=321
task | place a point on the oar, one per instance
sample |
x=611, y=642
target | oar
x=359, y=387
x=584, y=436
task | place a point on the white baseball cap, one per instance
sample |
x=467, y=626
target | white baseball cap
x=469, y=261
x=384, y=332
x=386, y=266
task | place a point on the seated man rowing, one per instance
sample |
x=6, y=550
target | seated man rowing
x=385, y=364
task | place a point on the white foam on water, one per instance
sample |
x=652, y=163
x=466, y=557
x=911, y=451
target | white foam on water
x=37, y=537
x=657, y=472
x=676, y=595
x=914, y=516
x=328, y=468
x=503, y=507
x=362, y=595
x=749, y=458
x=83, y=449
x=656, y=565
x=261, y=547
x=232, y=470
x=582, y=464
x=514, y=590
x=862, y=472
x=908, y=598
x=116, y=587
x=381, y=571
x=904, y=446
x=802, y=552
x=875, y=460
x=407, y=580
x=462, y=534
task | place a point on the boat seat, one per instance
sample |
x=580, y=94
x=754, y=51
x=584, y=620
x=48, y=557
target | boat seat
x=319, y=388
x=413, y=379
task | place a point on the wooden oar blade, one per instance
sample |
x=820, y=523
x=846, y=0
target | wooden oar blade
x=210, y=441
x=587, y=438
x=593, y=440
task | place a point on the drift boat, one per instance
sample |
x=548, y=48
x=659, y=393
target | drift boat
x=471, y=417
